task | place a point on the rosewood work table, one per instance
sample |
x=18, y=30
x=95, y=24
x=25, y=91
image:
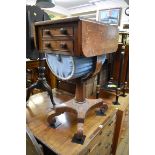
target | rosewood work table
x=77, y=38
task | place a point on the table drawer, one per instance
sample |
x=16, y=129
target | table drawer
x=108, y=136
x=58, y=32
x=105, y=149
x=96, y=140
x=110, y=124
x=58, y=46
x=92, y=146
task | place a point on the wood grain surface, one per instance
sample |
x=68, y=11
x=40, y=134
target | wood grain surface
x=59, y=139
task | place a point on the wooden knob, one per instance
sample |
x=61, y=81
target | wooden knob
x=48, y=45
x=48, y=32
x=63, y=31
x=63, y=45
x=99, y=144
x=100, y=133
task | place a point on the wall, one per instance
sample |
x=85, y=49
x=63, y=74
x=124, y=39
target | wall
x=115, y=4
x=103, y=5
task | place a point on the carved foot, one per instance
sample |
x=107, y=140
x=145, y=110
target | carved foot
x=98, y=103
x=51, y=119
x=80, y=128
x=104, y=108
x=79, y=137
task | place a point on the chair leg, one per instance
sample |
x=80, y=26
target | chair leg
x=29, y=90
x=49, y=90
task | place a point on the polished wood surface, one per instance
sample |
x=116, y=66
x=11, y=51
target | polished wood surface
x=59, y=139
x=98, y=39
x=87, y=38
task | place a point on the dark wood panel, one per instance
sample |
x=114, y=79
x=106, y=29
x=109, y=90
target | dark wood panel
x=98, y=39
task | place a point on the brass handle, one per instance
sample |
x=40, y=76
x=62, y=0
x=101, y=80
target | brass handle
x=63, y=31
x=63, y=45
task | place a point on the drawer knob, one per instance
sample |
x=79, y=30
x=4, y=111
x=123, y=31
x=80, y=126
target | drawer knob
x=48, y=32
x=48, y=45
x=63, y=45
x=100, y=133
x=99, y=143
x=63, y=31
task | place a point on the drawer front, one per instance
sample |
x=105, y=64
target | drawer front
x=58, y=46
x=110, y=124
x=96, y=140
x=58, y=32
x=101, y=143
x=108, y=136
x=93, y=147
x=94, y=150
x=105, y=149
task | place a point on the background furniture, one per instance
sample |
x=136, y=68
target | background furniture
x=117, y=72
x=122, y=121
x=35, y=14
x=32, y=74
x=99, y=131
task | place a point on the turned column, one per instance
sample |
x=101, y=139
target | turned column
x=80, y=92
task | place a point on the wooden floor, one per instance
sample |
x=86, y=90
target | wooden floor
x=123, y=148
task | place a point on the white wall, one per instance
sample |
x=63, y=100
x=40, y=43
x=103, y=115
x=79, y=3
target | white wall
x=104, y=5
